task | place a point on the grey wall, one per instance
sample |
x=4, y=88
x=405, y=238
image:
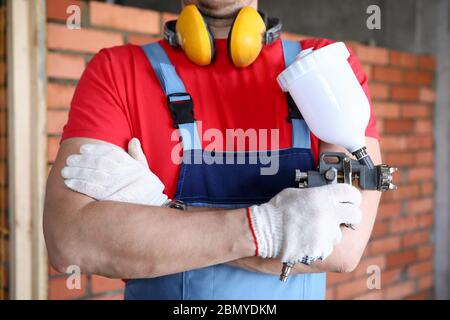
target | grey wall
x=406, y=24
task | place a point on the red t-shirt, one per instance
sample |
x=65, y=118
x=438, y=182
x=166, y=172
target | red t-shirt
x=119, y=97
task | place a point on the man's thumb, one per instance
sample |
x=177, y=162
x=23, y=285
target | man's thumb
x=135, y=151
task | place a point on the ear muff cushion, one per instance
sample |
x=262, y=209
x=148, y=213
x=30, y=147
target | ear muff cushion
x=194, y=36
x=245, y=37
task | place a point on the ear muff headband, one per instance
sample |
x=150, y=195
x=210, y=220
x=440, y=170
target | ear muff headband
x=194, y=36
x=245, y=39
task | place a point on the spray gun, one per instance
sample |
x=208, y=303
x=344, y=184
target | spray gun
x=330, y=98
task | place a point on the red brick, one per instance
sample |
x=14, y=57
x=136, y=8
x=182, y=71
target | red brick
x=399, y=291
x=371, y=295
x=390, y=276
x=385, y=245
x=3, y=120
x=415, y=238
x=398, y=159
x=398, y=126
x=329, y=295
x=373, y=55
x=56, y=121
x=59, y=95
x=53, y=272
x=57, y=289
x=423, y=126
x=2, y=72
x=427, y=95
x=403, y=224
x=124, y=18
x=420, y=268
x=424, y=205
x=427, y=188
x=351, y=289
x=418, y=296
x=386, y=110
x=426, y=220
x=426, y=282
x=419, y=142
x=380, y=229
x=2, y=35
x=334, y=278
x=102, y=284
x=425, y=252
x=402, y=258
x=379, y=91
x=139, y=40
x=65, y=66
x=390, y=209
x=3, y=98
x=427, y=63
x=361, y=269
x=403, y=192
x=83, y=40
x=52, y=148
x=415, y=111
x=110, y=297
x=424, y=157
x=402, y=93
x=380, y=125
x=421, y=174
x=419, y=77
x=57, y=9
x=4, y=205
x=392, y=143
x=368, y=69
x=386, y=74
x=167, y=16
x=3, y=172
x=403, y=59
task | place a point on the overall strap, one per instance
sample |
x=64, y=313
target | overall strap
x=179, y=100
x=300, y=130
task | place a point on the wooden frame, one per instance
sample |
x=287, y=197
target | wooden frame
x=26, y=27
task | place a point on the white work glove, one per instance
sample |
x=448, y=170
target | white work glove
x=303, y=225
x=107, y=172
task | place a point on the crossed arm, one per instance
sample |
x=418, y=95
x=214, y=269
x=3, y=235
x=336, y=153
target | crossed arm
x=122, y=240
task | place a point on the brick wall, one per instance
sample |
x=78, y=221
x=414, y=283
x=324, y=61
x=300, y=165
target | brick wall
x=401, y=87
x=3, y=159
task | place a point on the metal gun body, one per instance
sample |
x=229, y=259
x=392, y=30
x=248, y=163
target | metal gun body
x=337, y=167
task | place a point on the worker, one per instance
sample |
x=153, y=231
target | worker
x=133, y=193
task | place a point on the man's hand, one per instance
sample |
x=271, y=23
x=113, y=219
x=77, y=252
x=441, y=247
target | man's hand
x=106, y=172
x=303, y=225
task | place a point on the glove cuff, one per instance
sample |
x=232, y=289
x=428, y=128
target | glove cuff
x=267, y=227
x=252, y=229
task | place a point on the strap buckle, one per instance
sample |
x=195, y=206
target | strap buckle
x=293, y=111
x=181, y=108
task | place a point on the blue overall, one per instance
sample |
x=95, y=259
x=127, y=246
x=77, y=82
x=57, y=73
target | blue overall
x=207, y=179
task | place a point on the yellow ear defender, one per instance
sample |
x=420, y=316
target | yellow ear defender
x=249, y=32
x=245, y=39
x=194, y=36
